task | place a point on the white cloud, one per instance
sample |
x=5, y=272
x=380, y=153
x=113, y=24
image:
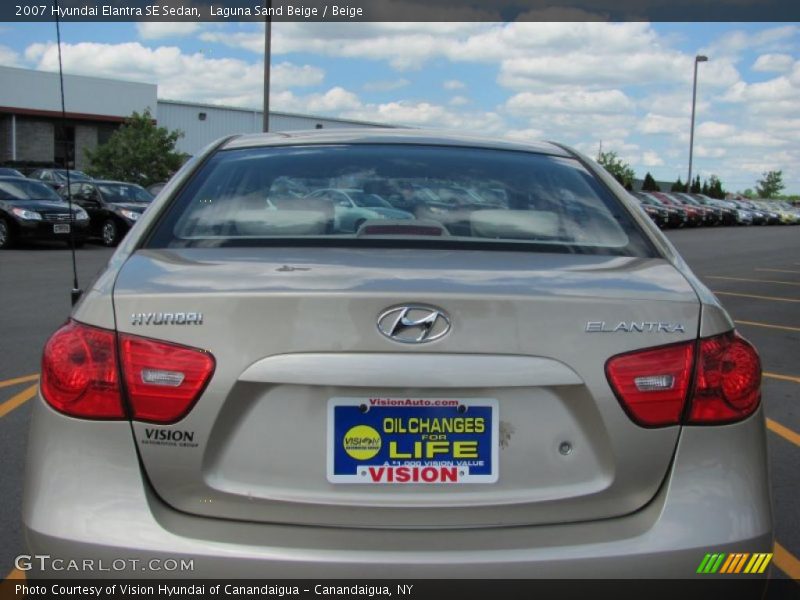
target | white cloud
x=652, y=159
x=773, y=63
x=701, y=151
x=385, y=85
x=713, y=129
x=453, y=84
x=603, y=101
x=179, y=76
x=8, y=57
x=655, y=123
x=155, y=31
x=458, y=101
x=525, y=135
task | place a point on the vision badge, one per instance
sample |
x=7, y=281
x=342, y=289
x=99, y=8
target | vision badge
x=362, y=442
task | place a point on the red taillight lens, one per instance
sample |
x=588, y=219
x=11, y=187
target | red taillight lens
x=79, y=372
x=80, y=375
x=652, y=385
x=163, y=380
x=728, y=382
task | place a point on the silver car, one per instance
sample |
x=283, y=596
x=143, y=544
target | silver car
x=545, y=390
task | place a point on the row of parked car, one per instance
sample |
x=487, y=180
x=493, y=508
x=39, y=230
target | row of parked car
x=675, y=209
x=36, y=207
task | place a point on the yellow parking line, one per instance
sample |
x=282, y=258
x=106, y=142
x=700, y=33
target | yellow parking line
x=781, y=377
x=786, y=561
x=16, y=380
x=784, y=432
x=768, y=325
x=752, y=280
x=779, y=271
x=18, y=400
x=773, y=298
x=16, y=574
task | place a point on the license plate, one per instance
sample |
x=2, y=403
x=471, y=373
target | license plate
x=415, y=441
x=61, y=228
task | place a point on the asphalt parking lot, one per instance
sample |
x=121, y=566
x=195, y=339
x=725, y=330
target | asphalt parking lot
x=755, y=272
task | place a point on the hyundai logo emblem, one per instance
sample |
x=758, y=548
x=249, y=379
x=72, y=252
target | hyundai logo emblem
x=413, y=324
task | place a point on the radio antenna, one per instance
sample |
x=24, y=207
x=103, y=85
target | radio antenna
x=76, y=292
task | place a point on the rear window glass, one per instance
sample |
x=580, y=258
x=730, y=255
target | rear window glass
x=397, y=194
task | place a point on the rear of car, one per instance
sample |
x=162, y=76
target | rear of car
x=532, y=386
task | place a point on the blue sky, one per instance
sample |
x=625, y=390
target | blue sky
x=625, y=85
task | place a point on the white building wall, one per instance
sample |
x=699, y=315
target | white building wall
x=40, y=90
x=218, y=121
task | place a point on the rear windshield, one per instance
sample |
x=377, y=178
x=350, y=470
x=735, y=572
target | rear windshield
x=402, y=195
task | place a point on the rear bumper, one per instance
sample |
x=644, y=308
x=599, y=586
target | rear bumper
x=84, y=503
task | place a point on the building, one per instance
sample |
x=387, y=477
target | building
x=33, y=132
x=201, y=124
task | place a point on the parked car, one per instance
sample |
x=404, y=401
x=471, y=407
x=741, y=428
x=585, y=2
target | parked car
x=8, y=172
x=727, y=213
x=57, y=178
x=696, y=215
x=154, y=188
x=263, y=404
x=353, y=207
x=113, y=206
x=32, y=210
x=756, y=217
x=659, y=214
x=711, y=214
x=677, y=216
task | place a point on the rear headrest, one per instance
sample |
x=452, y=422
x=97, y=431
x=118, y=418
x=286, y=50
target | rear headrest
x=514, y=224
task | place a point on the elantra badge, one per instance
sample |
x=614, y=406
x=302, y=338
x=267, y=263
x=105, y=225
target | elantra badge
x=414, y=324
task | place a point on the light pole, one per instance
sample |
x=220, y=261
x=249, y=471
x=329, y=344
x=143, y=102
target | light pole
x=267, y=61
x=697, y=59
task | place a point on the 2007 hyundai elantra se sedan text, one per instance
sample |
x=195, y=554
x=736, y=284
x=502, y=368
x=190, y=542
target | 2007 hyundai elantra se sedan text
x=518, y=378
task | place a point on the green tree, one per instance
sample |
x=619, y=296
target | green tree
x=621, y=171
x=715, y=188
x=705, y=189
x=771, y=184
x=649, y=184
x=138, y=152
x=696, y=187
x=678, y=186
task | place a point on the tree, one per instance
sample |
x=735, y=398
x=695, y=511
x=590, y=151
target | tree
x=621, y=171
x=715, y=188
x=771, y=184
x=678, y=186
x=705, y=189
x=695, y=189
x=138, y=152
x=649, y=184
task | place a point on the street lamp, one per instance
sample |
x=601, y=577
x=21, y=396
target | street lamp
x=697, y=59
x=267, y=61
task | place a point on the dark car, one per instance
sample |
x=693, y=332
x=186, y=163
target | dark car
x=658, y=214
x=57, y=178
x=32, y=210
x=676, y=216
x=154, y=188
x=113, y=206
x=713, y=215
x=8, y=172
x=694, y=216
x=727, y=213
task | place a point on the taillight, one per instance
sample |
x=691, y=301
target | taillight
x=655, y=384
x=163, y=380
x=79, y=372
x=80, y=378
x=728, y=381
x=652, y=384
